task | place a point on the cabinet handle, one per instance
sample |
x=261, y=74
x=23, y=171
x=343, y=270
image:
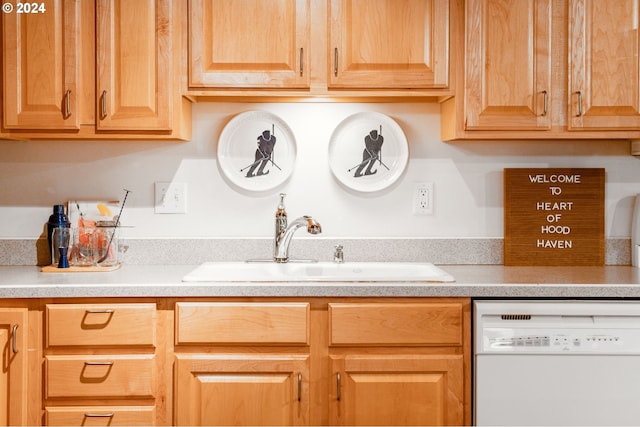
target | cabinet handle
x=335, y=62
x=301, y=61
x=103, y=105
x=67, y=104
x=14, y=339
x=545, y=104
x=338, y=392
x=98, y=363
x=299, y=386
x=579, y=93
x=94, y=415
x=107, y=311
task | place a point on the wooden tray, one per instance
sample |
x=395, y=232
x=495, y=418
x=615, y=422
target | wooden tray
x=76, y=269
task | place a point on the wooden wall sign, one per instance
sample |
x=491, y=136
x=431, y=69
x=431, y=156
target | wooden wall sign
x=554, y=216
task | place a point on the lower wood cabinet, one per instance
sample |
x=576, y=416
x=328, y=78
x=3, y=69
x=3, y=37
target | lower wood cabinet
x=242, y=389
x=13, y=375
x=398, y=389
x=236, y=361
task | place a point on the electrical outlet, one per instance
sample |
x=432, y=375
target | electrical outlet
x=423, y=198
x=171, y=197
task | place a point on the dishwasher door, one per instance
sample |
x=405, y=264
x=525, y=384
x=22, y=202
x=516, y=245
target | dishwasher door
x=556, y=363
x=560, y=390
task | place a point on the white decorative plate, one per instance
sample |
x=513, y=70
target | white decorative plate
x=257, y=151
x=368, y=152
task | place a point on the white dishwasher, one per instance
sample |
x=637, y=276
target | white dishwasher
x=560, y=362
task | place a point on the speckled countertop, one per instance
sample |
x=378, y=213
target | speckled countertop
x=471, y=281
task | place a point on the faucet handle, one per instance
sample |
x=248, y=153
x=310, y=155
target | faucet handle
x=338, y=254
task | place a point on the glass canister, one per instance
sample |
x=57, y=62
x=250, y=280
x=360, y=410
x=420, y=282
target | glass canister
x=107, y=247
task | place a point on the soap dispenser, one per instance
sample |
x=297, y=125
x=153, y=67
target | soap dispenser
x=635, y=234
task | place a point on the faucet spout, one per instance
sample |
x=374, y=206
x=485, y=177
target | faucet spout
x=283, y=238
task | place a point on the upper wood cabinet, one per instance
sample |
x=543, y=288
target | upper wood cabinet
x=244, y=44
x=321, y=47
x=133, y=79
x=546, y=69
x=604, y=74
x=389, y=43
x=96, y=70
x=41, y=54
x=508, y=64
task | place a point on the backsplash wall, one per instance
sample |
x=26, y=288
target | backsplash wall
x=467, y=179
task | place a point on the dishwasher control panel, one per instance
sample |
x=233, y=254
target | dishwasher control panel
x=539, y=340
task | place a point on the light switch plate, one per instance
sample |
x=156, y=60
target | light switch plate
x=171, y=198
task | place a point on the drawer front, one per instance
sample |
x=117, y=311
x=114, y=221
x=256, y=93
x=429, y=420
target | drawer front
x=100, y=324
x=396, y=324
x=242, y=323
x=100, y=376
x=101, y=416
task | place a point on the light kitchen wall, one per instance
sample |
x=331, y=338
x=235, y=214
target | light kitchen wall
x=467, y=177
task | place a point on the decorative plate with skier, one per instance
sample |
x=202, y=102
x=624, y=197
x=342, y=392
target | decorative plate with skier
x=257, y=151
x=368, y=152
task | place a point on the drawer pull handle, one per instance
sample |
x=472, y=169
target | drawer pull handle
x=103, y=105
x=299, y=386
x=107, y=311
x=67, y=104
x=98, y=363
x=93, y=415
x=579, y=93
x=301, y=61
x=339, y=395
x=14, y=339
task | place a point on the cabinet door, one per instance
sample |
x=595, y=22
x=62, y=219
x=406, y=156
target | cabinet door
x=133, y=57
x=389, y=44
x=246, y=43
x=242, y=390
x=397, y=390
x=604, y=76
x=13, y=375
x=508, y=65
x=40, y=67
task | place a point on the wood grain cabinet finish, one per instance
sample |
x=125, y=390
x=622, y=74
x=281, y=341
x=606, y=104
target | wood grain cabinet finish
x=508, y=65
x=101, y=324
x=242, y=363
x=604, y=65
x=40, y=58
x=389, y=44
x=14, y=391
x=397, y=389
x=240, y=44
x=541, y=69
x=242, y=389
x=100, y=364
x=398, y=363
x=95, y=70
x=100, y=416
x=242, y=323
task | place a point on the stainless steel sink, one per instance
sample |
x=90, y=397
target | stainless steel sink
x=318, y=272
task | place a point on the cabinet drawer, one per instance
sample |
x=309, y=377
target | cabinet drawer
x=242, y=323
x=100, y=324
x=100, y=376
x=396, y=324
x=101, y=416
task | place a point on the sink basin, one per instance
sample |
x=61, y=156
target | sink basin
x=317, y=272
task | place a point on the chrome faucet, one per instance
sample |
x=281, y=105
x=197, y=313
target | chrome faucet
x=284, y=232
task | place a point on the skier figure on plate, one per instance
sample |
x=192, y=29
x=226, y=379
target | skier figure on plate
x=264, y=154
x=371, y=153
